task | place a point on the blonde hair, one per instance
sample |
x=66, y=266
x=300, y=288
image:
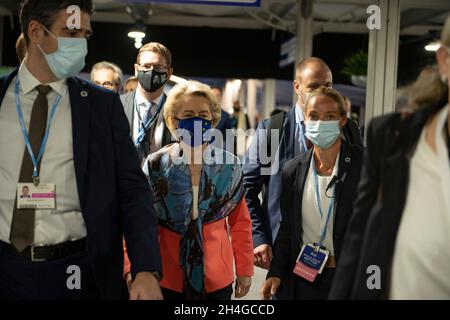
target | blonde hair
x=21, y=48
x=157, y=48
x=327, y=92
x=429, y=88
x=190, y=88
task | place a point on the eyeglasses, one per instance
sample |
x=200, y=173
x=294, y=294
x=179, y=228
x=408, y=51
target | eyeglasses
x=106, y=84
x=150, y=66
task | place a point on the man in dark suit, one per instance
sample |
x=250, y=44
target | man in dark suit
x=73, y=251
x=144, y=107
x=311, y=73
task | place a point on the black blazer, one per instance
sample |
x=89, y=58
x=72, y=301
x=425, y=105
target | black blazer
x=116, y=199
x=289, y=240
x=128, y=105
x=372, y=232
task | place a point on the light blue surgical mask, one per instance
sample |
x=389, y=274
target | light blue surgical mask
x=69, y=59
x=323, y=134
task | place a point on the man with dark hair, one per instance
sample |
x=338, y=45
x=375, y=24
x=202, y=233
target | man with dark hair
x=72, y=138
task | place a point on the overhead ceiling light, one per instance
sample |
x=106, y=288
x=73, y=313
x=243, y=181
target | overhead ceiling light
x=433, y=46
x=138, y=36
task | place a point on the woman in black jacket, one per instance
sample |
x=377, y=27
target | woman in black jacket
x=316, y=205
x=397, y=246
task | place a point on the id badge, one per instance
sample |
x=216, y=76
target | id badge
x=41, y=197
x=310, y=263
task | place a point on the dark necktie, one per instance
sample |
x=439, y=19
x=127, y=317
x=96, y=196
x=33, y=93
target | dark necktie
x=143, y=148
x=22, y=226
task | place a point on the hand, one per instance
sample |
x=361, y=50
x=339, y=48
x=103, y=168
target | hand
x=129, y=280
x=269, y=288
x=145, y=287
x=262, y=256
x=242, y=286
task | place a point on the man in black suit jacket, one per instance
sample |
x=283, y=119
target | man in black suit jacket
x=115, y=200
x=144, y=106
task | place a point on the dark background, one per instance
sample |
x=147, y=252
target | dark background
x=229, y=53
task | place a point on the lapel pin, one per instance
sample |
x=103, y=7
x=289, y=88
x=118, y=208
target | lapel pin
x=347, y=159
x=84, y=94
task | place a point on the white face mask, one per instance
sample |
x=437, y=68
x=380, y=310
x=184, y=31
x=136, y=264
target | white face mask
x=323, y=134
x=69, y=59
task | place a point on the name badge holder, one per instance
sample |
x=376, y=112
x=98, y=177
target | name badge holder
x=35, y=195
x=313, y=258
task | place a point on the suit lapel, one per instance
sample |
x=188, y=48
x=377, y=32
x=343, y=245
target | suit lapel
x=345, y=162
x=299, y=184
x=5, y=82
x=80, y=106
x=129, y=107
x=289, y=135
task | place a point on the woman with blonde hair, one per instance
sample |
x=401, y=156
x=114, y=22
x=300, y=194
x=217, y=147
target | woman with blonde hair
x=398, y=244
x=199, y=196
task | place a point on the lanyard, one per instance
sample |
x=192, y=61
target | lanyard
x=145, y=126
x=25, y=133
x=323, y=229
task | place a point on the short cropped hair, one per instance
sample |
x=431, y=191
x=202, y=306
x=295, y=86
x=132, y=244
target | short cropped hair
x=303, y=64
x=109, y=66
x=45, y=12
x=157, y=48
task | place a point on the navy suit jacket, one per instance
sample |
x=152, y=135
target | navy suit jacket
x=266, y=217
x=116, y=199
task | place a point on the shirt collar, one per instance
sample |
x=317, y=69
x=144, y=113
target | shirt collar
x=140, y=99
x=299, y=118
x=28, y=82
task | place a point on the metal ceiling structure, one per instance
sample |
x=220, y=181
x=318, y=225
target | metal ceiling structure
x=338, y=16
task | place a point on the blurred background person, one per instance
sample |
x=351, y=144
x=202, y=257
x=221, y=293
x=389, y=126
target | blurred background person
x=130, y=85
x=107, y=75
x=401, y=221
x=144, y=106
x=195, y=245
x=317, y=199
x=21, y=48
x=240, y=123
x=225, y=119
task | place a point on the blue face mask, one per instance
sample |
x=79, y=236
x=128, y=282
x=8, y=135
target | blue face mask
x=196, y=127
x=69, y=59
x=323, y=134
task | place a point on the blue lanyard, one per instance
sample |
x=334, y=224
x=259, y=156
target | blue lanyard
x=25, y=133
x=145, y=126
x=323, y=231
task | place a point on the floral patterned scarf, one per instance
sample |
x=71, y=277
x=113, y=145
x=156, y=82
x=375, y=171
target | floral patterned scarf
x=220, y=191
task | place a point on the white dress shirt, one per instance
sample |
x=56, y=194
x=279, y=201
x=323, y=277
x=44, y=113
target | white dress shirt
x=311, y=221
x=57, y=166
x=421, y=259
x=157, y=129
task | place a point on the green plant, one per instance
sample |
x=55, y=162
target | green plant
x=356, y=64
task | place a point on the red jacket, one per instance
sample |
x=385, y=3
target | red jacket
x=218, y=252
